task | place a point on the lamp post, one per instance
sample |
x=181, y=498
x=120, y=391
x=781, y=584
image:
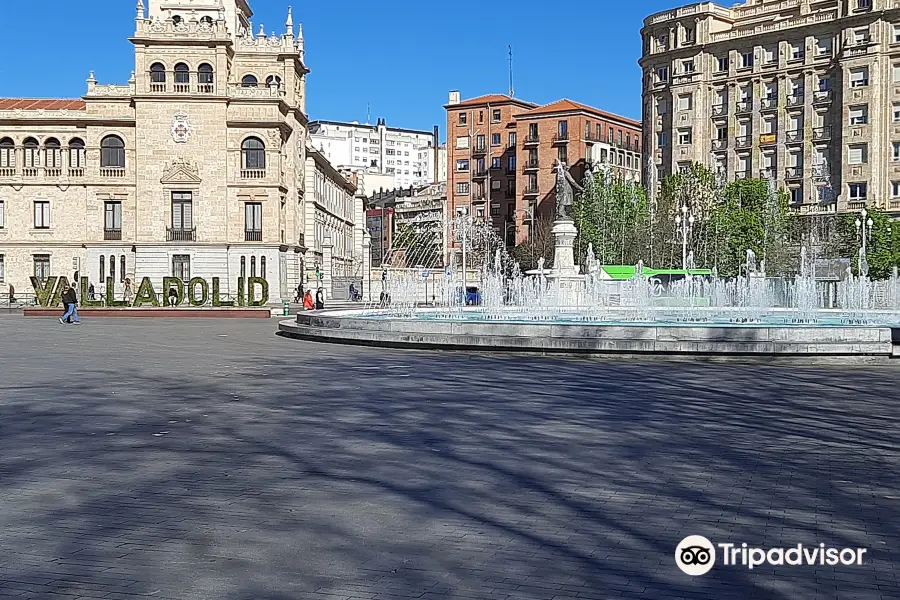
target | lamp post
x=464, y=220
x=685, y=222
x=864, y=231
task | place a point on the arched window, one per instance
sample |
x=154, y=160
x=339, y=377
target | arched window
x=182, y=77
x=243, y=267
x=177, y=19
x=205, y=78
x=7, y=153
x=112, y=152
x=102, y=268
x=253, y=154
x=76, y=153
x=122, y=268
x=112, y=267
x=52, y=154
x=252, y=266
x=32, y=156
x=207, y=20
x=157, y=77
x=262, y=267
x=273, y=81
x=249, y=81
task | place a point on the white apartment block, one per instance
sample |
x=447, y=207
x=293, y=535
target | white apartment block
x=803, y=92
x=193, y=168
x=408, y=155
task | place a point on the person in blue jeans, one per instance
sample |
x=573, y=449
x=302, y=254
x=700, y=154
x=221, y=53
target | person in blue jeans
x=70, y=301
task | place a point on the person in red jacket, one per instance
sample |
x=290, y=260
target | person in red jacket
x=308, y=301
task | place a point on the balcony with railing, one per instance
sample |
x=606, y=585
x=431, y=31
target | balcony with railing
x=531, y=165
x=112, y=234
x=719, y=144
x=561, y=137
x=768, y=173
x=796, y=99
x=793, y=136
x=821, y=172
x=181, y=82
x=531, y=190
x=480, y=172
x=719, y=110
x=532, y=139
x=821, y=134
x=744, y=106
x=766, y=104
x=253, y=235
x=743, y=141
x=742, y=174
x=253, y=173
x=792, y=173
x=112, y=172
x=178, y=234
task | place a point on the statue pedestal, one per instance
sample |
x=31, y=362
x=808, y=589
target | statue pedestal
x=564, y=234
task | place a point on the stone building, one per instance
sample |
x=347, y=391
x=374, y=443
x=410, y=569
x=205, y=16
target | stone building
x=803, y=92
x=194, y=167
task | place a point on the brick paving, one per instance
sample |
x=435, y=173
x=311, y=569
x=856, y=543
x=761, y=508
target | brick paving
x=190, y=460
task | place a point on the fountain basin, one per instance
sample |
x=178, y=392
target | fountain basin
x=476, y=330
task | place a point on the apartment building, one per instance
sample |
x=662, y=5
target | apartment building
x=409, y=156
x=803, y=92
x=502, y=152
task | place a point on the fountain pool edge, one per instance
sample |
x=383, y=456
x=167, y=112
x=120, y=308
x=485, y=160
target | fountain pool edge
x=834, y=343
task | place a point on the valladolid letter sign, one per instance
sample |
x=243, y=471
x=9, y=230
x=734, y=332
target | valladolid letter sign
x=197, y=292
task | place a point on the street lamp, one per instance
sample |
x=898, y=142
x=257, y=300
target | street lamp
x=864, y=231
x=685, y=222
x=464, y=220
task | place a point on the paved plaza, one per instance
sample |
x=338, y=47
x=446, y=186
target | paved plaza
x=185, y=459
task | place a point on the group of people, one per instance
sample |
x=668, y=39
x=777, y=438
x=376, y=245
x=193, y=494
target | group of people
x=308, y=303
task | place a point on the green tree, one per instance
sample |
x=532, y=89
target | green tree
x=612, y=216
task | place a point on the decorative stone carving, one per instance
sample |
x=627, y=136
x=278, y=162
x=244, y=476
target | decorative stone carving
x=157, y=26
x=180, y=171
x=181, y=128
x=275, y=137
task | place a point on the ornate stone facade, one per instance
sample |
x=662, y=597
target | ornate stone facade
x=195, y=167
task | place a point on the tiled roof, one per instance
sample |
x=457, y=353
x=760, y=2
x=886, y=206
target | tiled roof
x=566, y=105
x=40, y=104
x=492, y=99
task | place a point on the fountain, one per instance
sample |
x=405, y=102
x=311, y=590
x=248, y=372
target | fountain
x=569, y=309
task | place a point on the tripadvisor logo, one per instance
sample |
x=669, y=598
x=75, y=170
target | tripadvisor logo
x=696, y=555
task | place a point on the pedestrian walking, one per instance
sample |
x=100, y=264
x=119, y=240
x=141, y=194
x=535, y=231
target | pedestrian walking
x=70, y=301
x=12, y=294
x=298, y=297
x=129, y=292
x=308, y=301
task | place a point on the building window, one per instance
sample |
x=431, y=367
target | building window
x=52, y=154
x=897, y=33
x=262, y=267
x=823, y=46
x=495, y=162
x=897, y=113
x=685, y=101
x=182, y=211
x=495, y=116
x=661, y=107
x=895, y=71
x=797, y=52
x=42, y=214
x=685, y=135
x=182, y=77
x=122, y=268
x=112, y=267
x=462, y=188
x=274, y=82
x=859, y=77
x=249, y=81
x=252, y=266
x=2, y=215
x=563, y=155
x=858, y=191
x=797, y=195
x=112, y=152
x=253, y=154
x=687, y=66
x=662, y=140
x=253, y=222
x=495, y=139
x=512, y=139
x=102, y=268
x=76, y=154
x=861, y=36
x=662, y=74
x=41, y=267
x=462, y=118
x=112, y=220
x=462, y=165
x=747, y=60
x=2, y=269
x=895, y=153
x=768, y=56
x=157, y=77
x=858, y=154
x=32, y=153
x=7, y=153
x=895, y=189
x=181, y=266
x=859, y=115
x=511, y=165
x=205, y=78
x=532, y=181
x=722, y=64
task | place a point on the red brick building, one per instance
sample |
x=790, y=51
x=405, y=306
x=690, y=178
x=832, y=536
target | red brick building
x=502, y=152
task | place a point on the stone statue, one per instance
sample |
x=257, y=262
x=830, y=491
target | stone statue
x=565, y=197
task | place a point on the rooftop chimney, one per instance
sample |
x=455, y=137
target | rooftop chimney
x=454, y=97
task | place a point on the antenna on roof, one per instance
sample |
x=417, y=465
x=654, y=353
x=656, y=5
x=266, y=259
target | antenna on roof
x=512, y=92
x=368, y=113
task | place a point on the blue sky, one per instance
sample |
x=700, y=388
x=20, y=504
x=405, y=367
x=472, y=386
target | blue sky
x=399, y=56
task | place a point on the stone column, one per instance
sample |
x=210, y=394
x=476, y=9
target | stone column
x=327, y=265
x=366, y=266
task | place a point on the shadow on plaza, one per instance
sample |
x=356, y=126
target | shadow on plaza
x=339, y=470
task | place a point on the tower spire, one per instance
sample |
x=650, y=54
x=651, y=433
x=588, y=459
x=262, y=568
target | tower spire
x=140, y=9
x=290, y=20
